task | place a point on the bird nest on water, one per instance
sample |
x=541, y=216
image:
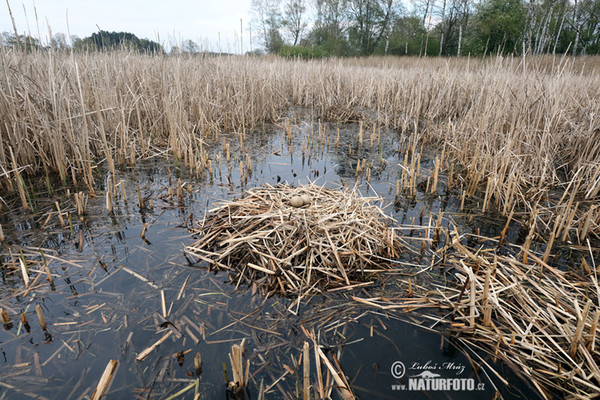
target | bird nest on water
x=289, y=239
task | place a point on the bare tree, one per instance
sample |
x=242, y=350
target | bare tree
x=266, y=17
x=294, y=19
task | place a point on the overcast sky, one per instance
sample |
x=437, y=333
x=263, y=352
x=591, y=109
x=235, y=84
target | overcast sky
x=169, y=20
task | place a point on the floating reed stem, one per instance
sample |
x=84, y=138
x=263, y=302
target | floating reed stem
x=24, y=273
x=105, y=379
x=150, y=349
x=306, y=370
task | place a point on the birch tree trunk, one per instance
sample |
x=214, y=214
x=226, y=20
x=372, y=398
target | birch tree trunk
x=459, y=39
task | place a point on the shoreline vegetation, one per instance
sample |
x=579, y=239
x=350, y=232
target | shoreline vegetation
x=517, y=135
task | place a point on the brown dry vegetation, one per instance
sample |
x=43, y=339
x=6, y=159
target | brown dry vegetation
x=517, y=128
x=522, y=136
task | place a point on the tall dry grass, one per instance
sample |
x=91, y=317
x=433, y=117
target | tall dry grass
x=517, y=129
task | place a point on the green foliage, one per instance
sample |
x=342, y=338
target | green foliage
x=104, y=40
x=26, y=42
x=274, y=42
x=304, y=52
x=499, y=26
x=405, y=37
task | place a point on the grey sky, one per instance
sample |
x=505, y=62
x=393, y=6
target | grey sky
x=170, y=21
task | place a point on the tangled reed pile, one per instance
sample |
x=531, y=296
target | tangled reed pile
x=290, y=239
x=541, y=320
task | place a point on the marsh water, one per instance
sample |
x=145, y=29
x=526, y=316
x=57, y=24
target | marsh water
x=109, y=281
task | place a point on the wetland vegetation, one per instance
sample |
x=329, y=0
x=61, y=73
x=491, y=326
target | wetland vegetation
x=111, y=162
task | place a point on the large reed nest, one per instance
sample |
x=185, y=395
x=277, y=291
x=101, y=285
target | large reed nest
x=289, y=239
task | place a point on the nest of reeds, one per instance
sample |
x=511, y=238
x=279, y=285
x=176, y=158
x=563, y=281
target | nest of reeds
x=341, y=113
x=288, y=239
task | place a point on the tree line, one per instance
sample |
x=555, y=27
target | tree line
x=316, y=28
x=97, y=41
x=323, y=28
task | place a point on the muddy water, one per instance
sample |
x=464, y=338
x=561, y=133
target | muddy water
x=106, y=301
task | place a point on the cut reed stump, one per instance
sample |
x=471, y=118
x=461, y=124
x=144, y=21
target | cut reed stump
x=289, y=239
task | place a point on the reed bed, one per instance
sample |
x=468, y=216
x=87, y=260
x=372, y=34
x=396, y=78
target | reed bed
x=517, y=128
x=540, y=320
x=288, y=240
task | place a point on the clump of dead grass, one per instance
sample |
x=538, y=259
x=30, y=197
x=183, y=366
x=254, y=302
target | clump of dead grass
x=335, y=239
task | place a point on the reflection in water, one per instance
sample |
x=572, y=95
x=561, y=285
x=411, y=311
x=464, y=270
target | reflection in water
x=116, y=291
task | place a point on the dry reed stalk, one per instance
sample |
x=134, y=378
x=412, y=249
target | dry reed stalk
x=143, y=232
x=198, y=364
x=140, y=198
x=342, y=386
x=40, y=315
x=123, y=191
x=81, y=200
x=436, y=170
x=19, y=180
x=109, y=196
x=4, y=317
x=532, y=304
x=306, y=371
x=105, y=379
x=240, y=377
x=150, y=349
x=60, y=217
x=24, y=273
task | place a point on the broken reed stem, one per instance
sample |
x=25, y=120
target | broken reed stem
x=239, y=379
x=343, y=389
x=486, y=307
x=47, y=270
x=123, y=191
x=144, y=229
x=19, y=180
x=163, y=303
x=198, y=364
x=60, y=217
x=81, y=200
x=40, y=315
x=105, y=379
x=4, y=317
x=24, y=273
x=306, y=370
x=109, y=196
x=150, y=349
x=582, y=319
x=139, y=198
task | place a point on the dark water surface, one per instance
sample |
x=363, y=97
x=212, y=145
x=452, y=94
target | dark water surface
x=106, y=301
